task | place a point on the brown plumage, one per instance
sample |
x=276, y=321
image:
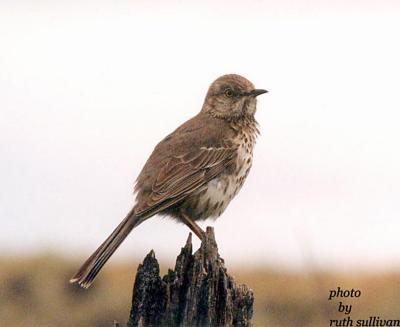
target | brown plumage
x=194, y=172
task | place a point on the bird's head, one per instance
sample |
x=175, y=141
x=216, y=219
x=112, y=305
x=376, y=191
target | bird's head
x=231, y=97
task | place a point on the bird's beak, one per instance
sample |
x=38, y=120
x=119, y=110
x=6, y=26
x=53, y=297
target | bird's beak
x=258, y=92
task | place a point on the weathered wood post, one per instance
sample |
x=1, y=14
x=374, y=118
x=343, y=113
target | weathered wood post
x=199, y=292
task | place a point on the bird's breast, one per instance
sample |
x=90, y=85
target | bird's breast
x=212, y=200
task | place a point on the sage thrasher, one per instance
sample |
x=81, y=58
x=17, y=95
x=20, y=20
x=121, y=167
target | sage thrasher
x=195, y=171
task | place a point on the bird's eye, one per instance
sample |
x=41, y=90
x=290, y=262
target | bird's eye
x=228, y=93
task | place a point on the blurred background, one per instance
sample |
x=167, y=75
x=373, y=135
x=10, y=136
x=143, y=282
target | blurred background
x=88, y=88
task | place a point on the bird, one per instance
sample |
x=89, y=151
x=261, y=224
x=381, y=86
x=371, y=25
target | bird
x=194, y=172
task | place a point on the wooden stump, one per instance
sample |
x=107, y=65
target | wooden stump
x=199, y=292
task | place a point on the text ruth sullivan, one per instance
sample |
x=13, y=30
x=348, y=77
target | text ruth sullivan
x=370, y=322
x=346, y=308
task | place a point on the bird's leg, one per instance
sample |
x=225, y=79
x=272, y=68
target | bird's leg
x=193, y=226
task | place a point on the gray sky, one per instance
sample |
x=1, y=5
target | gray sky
x=88, y=89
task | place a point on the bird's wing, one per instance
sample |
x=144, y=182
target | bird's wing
x=181, y=175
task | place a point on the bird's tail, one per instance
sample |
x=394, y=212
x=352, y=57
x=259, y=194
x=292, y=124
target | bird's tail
x=89, y=270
